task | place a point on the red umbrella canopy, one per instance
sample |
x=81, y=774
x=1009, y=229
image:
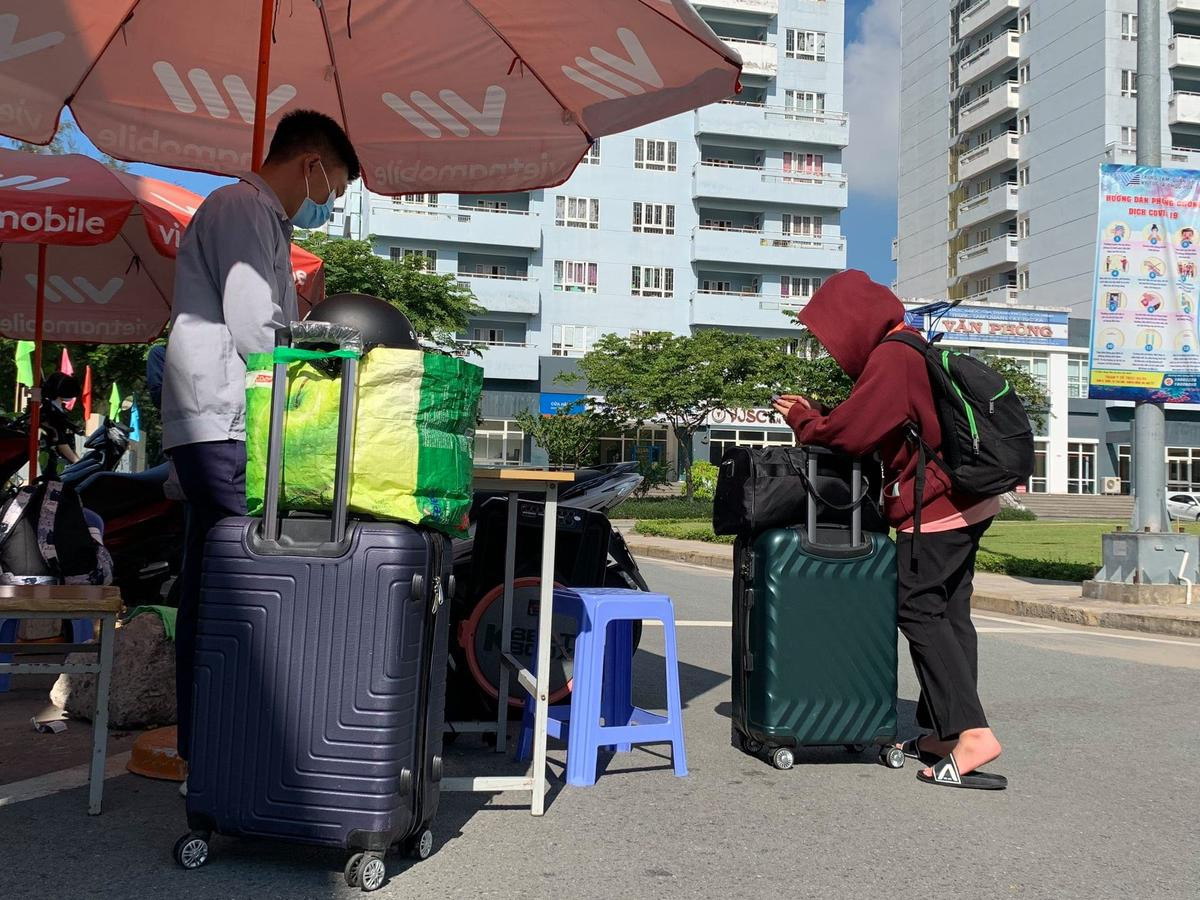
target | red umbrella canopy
x=113, y=238
x=437, y=95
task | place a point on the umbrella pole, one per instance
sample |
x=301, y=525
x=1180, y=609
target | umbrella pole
x=35, y=392
x=260, y=87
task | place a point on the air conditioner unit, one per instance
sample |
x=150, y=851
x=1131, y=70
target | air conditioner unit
x=1112, y=485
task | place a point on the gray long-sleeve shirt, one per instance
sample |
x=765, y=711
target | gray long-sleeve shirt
x=233, y=288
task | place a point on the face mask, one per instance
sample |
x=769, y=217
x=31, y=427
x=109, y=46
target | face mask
x=312, y=214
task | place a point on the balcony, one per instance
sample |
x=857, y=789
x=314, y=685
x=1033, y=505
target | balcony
x=513, y=362
x=999, y=151
x=1184, y=109
x=757, y=7
x=759, y=312
x=504, y=293
x=1172, y=158
x=1183, y=52
x=762, y=185
x=1002, y=100
x=1002, y=50
x=753, y=247
x=775, y=123
x=758, y=57
x=456, y=225
x=999, y=201
x=982, y=14
x=1184, y=10
x=1005, y=295
x=997, y=253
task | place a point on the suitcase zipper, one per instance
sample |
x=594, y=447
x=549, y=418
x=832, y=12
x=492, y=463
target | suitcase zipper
x=434, y=601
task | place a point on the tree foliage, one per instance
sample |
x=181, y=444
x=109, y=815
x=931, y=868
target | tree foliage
x=571, y=439
x=439, y=306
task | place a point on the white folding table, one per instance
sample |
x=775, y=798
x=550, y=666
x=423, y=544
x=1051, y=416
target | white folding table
x=513, y=482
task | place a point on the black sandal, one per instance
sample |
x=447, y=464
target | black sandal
x=945, y=773
x=912, y=749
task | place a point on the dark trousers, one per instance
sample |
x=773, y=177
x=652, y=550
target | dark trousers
x=935, y=617
x=213, y=478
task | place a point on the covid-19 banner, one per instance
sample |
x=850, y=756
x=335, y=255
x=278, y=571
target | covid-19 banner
x=1144, y=317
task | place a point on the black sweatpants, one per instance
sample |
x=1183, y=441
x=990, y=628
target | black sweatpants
x=935, y=617
x=213, y=478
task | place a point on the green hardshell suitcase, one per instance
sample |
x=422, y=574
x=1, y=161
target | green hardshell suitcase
x=814, y=639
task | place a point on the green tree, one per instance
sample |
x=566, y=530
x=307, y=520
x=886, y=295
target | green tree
x=439, y=306
x=570, y=438
x=682, y=380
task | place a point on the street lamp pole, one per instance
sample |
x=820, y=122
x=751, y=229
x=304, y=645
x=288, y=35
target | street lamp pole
x=1150, y=429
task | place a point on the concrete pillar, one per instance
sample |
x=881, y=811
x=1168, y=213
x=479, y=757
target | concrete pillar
x=1057, y=426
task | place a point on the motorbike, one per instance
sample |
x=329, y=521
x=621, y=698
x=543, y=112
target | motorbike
x=590, y=554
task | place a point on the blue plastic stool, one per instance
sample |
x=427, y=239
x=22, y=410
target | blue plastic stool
x=82, y=631
x=603, y=683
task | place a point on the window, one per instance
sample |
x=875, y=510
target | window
x=1023, y=74
x=494, y=205
x=499, y=442
x=1038, y=483
x=718, y=224
x=711, y=286
x=1023, y=124
x=1036, y=365
x=636, y=445
x=415, y=200
x=1124, y=467
x=804, y=104
x=1077, y=377
x=573, y=340
x=1081, y=468
x=1022, y=227
x=1128, y=83
x=1022, y=279
x=659, y=155
x=577, y=212
x=652, y=281
x=426, y=258
x=806, y=226
x=592, y=157
x=798, y=287
x=805, y=45
x=491, y=270
x=1129, y=135
x=654, y=218
x=575, y=276
x=1023, y=175
x=488, y=335
x=1023, y=23
x=806, y=163
x=1128, y=26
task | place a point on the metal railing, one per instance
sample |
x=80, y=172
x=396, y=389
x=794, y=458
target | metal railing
x=982, y=101
x=984, y=149
x=814, y=115
x=459, y=213
x=786, y=176
x=983, y=199
x=493, y=277
x=980, y=249
x=982, y=51
x=781, y=239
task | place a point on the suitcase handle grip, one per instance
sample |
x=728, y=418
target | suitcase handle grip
x=856, y=498
x=349, y=342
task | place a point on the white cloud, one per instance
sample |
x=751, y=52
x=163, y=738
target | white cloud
x=873, y=100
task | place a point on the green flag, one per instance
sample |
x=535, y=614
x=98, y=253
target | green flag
x=114, y=403
x=24, y=359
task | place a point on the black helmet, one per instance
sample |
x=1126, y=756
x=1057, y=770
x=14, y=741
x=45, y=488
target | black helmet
x=379, y=323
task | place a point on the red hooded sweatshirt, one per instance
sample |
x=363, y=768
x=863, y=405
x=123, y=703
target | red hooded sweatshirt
x=850, y=315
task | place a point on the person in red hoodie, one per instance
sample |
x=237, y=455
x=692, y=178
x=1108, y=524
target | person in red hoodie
x=851, y=315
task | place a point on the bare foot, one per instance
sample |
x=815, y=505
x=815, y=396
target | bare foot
x=975, y=748
x=930, y=744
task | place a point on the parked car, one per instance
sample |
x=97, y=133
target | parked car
x=1184, y=507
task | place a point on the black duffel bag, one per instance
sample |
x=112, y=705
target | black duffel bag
x=766, y=487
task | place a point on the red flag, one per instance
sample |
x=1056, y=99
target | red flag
x=67, y=369
x=87, y=393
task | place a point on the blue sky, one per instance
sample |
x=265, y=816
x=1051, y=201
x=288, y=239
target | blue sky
x=872, y=55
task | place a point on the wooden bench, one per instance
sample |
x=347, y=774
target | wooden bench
x=45, y=601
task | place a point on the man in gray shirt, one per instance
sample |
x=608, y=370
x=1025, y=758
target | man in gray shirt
x=233, y=289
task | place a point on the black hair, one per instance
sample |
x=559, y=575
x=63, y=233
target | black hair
x=308, y=131
x=60, y=386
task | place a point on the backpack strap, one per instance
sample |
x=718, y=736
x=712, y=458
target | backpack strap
x=908, y=339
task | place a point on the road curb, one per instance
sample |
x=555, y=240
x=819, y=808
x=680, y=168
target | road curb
x=1095, y=615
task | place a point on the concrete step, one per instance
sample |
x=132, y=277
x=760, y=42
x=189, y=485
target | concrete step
x=1079, y=506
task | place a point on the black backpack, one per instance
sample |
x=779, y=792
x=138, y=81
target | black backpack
x=45, y=539
x=987, y=439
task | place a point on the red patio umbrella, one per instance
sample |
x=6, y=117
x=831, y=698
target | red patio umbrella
x=437, y=95
x=110, y=277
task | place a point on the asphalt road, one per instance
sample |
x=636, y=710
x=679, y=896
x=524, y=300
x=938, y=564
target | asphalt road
x=1101, y=732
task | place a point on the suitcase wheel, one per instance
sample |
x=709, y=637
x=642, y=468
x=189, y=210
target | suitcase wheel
x=783, y=759
x=191, y=850
x=855, y=748
x=751, y=746
x=372, y=872
x=421, y=846
x=351, y=870
x=892, y=757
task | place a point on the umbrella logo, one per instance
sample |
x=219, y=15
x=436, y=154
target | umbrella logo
x=30, y=182
x=486, y=120
x=77, y=290
x=210, y=96
x=11, y=48
x=605, y=66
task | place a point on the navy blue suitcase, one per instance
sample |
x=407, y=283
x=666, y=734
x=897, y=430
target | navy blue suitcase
x=320, y=668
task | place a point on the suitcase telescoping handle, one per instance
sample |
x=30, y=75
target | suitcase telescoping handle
x=288, y=342
x=856, y=497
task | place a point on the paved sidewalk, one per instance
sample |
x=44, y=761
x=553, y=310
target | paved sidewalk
x=1061, y=601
